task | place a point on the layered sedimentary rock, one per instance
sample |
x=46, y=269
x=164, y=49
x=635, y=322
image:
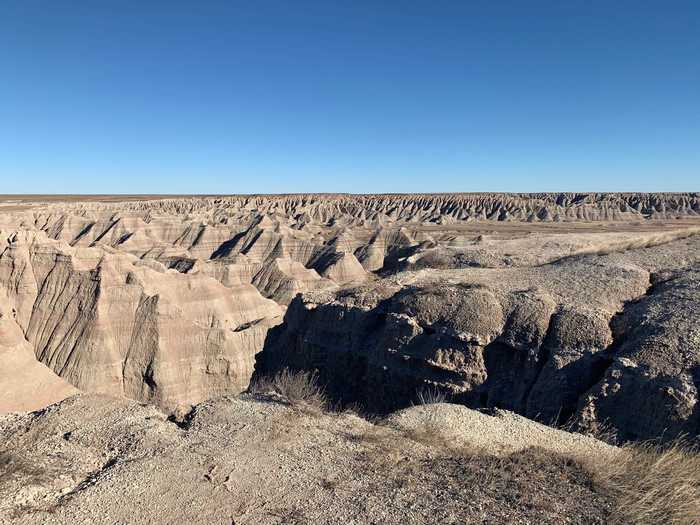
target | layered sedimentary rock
x=25, y=383
x=283, y=279
x=586, y=340
x=438, y=208
x=331, y=234
x=562, y=307
x=109, y=322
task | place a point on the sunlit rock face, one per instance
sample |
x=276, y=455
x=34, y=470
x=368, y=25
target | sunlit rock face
x=537, y=303
x=110, y=322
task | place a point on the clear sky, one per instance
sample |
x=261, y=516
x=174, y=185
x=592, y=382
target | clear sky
x=356, y=96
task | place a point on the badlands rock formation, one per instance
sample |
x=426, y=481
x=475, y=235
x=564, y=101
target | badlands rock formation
x=591, y=339
x=25, y=383
x=107, y=321
x=434, y=208
x=561, y=307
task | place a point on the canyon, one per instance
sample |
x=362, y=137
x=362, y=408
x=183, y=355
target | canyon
x=575, y=309
x=451, y=358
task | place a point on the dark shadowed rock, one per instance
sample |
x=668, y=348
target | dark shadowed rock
x=651, y=388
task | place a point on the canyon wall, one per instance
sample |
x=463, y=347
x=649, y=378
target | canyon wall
x=567, y=308
x=591, y=341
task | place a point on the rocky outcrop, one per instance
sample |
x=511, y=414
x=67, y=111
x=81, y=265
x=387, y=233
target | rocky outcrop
x=341, y=267
x=575, y=350
x=25, y=383
x=344, y=237
x=554, y=350
x=283, y=279
x=108, y=322
x=381, y=347
x=435, y=208
x=652, y=386
x=497, y=300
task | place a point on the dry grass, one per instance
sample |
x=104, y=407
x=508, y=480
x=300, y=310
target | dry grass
x=430, y=396
x=430, y=432
x=652, y=484
x=299, y=389
x=422, y=471
x=645, y=483
x=634, y=244
x=602, y=431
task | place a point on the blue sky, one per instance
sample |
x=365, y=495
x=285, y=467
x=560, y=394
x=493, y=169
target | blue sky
x=409, y=96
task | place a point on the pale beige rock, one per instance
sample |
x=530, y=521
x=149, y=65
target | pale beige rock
x=109, y=322
x=282, y=279
x=168, y=299
x=344, y=268
x=241, y=460
x=25, y=383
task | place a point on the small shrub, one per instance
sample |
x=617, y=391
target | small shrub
x=602, y=431
x=299, y=389
x=430, y=396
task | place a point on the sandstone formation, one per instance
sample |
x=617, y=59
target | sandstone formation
x=110, y=322
x=25, y=383
x=576, y=308
x=591, y=340
x=437, y=208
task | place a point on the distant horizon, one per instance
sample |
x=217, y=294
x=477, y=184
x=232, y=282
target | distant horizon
x=322, y=193
x=223, y=98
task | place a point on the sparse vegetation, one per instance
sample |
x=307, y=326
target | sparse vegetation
x=642, y=483
x=602, y=431
x=651, y=484
x=468, y=485
x=430, y=395
x=299, y=389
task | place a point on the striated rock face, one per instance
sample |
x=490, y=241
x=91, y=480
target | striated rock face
x=109, y=322
x=343, y=238
x=436, y=208
x=536, y=303
x=283, y=279
x=25, y=383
